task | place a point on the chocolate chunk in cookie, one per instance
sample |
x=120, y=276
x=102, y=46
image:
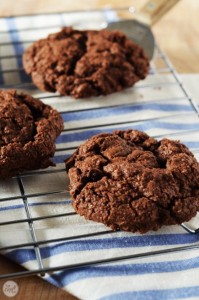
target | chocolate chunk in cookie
x=28, y=129
x=85, y=63
x=130, y=181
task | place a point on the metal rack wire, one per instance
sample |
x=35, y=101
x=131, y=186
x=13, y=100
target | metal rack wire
x=26, y=196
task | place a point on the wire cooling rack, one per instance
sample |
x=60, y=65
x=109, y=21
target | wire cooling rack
x=13, y=76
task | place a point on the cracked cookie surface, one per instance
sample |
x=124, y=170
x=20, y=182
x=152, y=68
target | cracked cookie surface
x=130, y=181
x=28, y=129
x=85, y=63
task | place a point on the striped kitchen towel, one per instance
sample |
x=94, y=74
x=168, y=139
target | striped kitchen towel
x=55, y=236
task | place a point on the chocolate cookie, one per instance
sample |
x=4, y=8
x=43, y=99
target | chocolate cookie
x=130, y=181
x=28, y=129
x=85, y=63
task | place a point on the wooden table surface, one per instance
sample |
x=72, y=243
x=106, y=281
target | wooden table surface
x=177, y=34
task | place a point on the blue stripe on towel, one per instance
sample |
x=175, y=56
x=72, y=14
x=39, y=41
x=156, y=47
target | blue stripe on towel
x=24, y=255
x=11, y=207
x=108, y=111
x=84, y=135
x=67, y=277
x=167, y=294
x=18, y=47
x=191, y=144
x=59, y=159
